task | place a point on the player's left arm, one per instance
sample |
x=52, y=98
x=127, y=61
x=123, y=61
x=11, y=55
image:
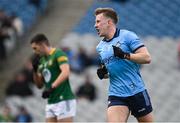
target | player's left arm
x=141, y=56
x=65, y=72
x=140, y=53
x=62, y=76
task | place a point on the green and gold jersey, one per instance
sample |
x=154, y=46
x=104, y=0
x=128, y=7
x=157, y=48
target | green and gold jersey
x=50, y=69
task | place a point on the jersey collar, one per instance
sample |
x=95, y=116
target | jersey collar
x=52, y=51
x=115, y=35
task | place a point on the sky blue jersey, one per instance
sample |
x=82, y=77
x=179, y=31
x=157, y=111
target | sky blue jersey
x=124, y=75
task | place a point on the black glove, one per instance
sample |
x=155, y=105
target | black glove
x=101, y=72
x=119, y=53
x=35, y=62
x=47, y=93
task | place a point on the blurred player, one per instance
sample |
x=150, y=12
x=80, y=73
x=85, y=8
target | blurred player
x=121, y=53
x=51, y=69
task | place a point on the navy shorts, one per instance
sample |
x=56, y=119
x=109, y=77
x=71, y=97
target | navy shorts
x=139, y=104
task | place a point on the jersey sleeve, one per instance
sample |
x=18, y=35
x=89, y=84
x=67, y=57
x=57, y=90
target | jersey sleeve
x=99, y=56
x=61, y=57
x=134, y=41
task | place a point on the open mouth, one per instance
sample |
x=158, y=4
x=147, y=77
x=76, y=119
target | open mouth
x=98, y=31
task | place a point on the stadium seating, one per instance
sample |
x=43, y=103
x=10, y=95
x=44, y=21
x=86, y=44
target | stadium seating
x=144, y=17
x=23, y=9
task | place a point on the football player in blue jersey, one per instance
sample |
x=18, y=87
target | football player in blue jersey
x=121, y=53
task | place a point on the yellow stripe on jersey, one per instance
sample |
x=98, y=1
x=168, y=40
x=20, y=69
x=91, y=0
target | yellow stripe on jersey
x=52, y=51
x=62, y=59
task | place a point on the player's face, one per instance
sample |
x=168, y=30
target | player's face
x=37, y=48
x=101, y=25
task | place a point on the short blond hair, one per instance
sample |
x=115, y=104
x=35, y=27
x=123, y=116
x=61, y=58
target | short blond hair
x=107, y=12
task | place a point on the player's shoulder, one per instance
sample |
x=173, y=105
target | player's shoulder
x=127, y=34
x=59, y=51
x=61, y=55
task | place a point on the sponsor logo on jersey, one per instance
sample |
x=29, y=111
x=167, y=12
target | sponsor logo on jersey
x=47, y=75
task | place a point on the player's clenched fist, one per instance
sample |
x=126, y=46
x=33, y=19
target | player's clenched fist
x=47, y=93
x=101, y=72
x=119, y=53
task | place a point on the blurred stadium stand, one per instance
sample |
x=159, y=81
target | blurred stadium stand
x=156, y=22
x=146, y=18
x=21, y=15
x=23, y=9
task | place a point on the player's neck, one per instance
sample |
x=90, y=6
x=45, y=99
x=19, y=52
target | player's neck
x=110, y=33
x=48, y=50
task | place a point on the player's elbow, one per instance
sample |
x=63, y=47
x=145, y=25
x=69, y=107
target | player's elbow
x=148, y=59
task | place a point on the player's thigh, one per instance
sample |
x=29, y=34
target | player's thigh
x=51, y=119
x=118, y=113
x=69, y=119
x=146, y=118
x=65, y=109
x=140, y=105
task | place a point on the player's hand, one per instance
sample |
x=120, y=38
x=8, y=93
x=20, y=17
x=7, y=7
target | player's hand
x=47, y=93
x=119, y=53
x=101, y=72
x=35, y=62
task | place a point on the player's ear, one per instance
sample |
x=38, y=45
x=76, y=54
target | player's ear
x=42, y=45
x=110, y=21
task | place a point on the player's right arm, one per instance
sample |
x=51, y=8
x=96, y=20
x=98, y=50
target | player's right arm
x=38, y=79
x=37, y=76
x=102, y=72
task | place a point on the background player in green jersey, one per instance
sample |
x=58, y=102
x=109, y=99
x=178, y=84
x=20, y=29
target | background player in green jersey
x=51, y=69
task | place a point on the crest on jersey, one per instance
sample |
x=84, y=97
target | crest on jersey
x=118, y=44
